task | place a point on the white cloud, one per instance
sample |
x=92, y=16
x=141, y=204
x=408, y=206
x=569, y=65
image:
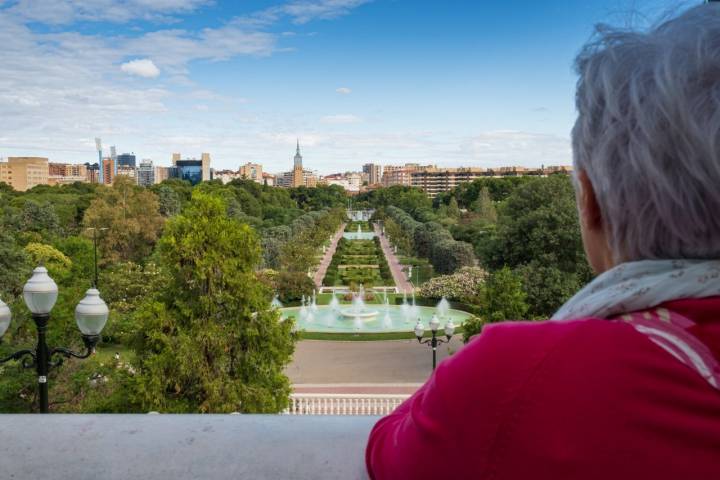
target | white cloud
x=61, y=12
x=301, y=12
x=340, y=119
x=142, y=68
x=304, y=11
x=344, y=91
x=509, y=147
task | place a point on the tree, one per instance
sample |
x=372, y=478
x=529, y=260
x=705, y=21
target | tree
x=40, y=217
x=547, y=287
x=453, y=210
x=132, y=217
x=502, y=297
x=168, y=200
x=15, y=267
x=484, y=207
x=539, y=220
x=209, y=341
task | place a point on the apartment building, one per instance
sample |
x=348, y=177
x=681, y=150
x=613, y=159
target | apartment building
x=23, y=173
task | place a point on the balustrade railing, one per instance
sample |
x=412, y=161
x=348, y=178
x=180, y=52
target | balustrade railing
x=343, y=404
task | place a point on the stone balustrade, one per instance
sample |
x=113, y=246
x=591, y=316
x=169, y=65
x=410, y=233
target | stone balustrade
x=343, y=404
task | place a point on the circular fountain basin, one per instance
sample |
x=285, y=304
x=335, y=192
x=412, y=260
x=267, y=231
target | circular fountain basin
x=327, y=320
x=363, y=315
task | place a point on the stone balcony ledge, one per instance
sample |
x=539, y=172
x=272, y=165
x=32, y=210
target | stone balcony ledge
x=183, y=447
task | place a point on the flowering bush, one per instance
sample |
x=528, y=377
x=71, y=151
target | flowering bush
x=462, y=286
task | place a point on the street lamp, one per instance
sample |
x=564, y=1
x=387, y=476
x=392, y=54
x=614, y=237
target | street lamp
x=434, y=341
x=40, y=294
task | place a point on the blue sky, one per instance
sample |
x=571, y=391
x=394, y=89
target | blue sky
x=447, y=82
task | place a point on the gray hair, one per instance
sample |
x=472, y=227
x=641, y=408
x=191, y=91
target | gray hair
x=648, y=135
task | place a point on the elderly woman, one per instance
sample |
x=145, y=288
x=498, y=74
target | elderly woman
x=624, y=381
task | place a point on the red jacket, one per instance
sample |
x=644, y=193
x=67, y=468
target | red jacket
x=586, y=399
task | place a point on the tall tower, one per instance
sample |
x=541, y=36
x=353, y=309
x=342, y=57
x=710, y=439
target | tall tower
x=298, y=179
x=98, y=146
x=205, y=159
x=113, y=157
x=298, y=157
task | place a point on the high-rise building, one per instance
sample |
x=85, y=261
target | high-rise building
x=108, y=171
x=146, y=173
x=374, y=173
x=191, y=169
x=126, y=160
x=436, y=180
x=400, y=175
x=23, y=173
x=298, y=179
x=66, y=173
x=130, y=172
x=162, y=173
x=251, y=171
x=98, y=146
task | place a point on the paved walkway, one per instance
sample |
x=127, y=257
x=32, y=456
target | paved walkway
x=390, y=362
x=325, y=263
x=395, y=268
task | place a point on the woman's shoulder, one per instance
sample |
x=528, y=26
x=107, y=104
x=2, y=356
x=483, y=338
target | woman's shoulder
x=528, y=341
x=508, y=355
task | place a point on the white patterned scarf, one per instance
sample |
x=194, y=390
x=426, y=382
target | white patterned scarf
x=636, y=286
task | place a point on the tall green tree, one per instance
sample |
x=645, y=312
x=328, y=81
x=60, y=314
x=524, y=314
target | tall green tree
x=131, y=215
x=484, y=206
x=209, y=341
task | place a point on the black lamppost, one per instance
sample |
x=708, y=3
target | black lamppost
x=434, y=341
x=40, y=294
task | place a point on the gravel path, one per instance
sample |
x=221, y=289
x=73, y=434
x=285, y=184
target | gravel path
x=395, y=268
x=383, y=362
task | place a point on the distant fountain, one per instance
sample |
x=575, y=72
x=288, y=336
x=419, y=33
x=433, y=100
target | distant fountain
x=443, y=307
x=334, y=303
x=405, y=308
x=276, y=302
x=387, y=321
x=414, y=309
x=313, y=305
x=303, y=309
x=358, y=310
x=359, y=229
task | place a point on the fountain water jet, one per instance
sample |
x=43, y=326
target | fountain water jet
x=443, y=307
x=359, y=311
x=276, y=302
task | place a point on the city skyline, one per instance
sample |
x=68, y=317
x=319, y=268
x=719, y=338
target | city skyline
x=358, y=81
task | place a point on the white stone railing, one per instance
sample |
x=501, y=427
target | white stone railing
x=183, y=447
x=343, y=404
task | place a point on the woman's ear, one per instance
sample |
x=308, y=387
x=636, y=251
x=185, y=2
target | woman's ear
x=590, y=213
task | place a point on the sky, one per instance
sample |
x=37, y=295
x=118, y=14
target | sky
x=447, y=82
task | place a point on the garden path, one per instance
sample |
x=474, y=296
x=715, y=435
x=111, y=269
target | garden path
x=378, y=367
x=401, y=282
x=325, y=263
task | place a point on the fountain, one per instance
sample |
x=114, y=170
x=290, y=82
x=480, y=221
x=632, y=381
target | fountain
x=313, y=305
x=276, y=302
x=334, y=303
x=414, y=309
x=359, y=229
x=303, y=309
x=359, y=311
x=443, y=307
x=360, y=318
x=405, y=308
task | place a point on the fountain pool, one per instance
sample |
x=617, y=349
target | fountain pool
x=385, y=318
